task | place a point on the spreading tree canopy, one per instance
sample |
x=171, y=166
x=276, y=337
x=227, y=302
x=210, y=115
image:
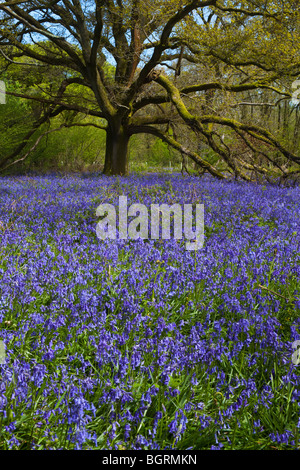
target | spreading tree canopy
x=172, y=69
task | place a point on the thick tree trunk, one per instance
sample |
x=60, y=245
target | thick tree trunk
x=116, y=152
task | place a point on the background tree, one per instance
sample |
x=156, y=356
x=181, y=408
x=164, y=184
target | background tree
x=235, y=48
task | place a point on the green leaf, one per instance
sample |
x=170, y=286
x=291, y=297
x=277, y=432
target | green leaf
x=2, y=352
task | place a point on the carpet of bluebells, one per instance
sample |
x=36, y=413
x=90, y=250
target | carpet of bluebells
x=141, y=344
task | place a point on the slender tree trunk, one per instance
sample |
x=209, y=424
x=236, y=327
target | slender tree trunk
x=116, y=152
x=296, y=132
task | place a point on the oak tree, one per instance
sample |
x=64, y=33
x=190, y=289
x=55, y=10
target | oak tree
x=233, y=46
